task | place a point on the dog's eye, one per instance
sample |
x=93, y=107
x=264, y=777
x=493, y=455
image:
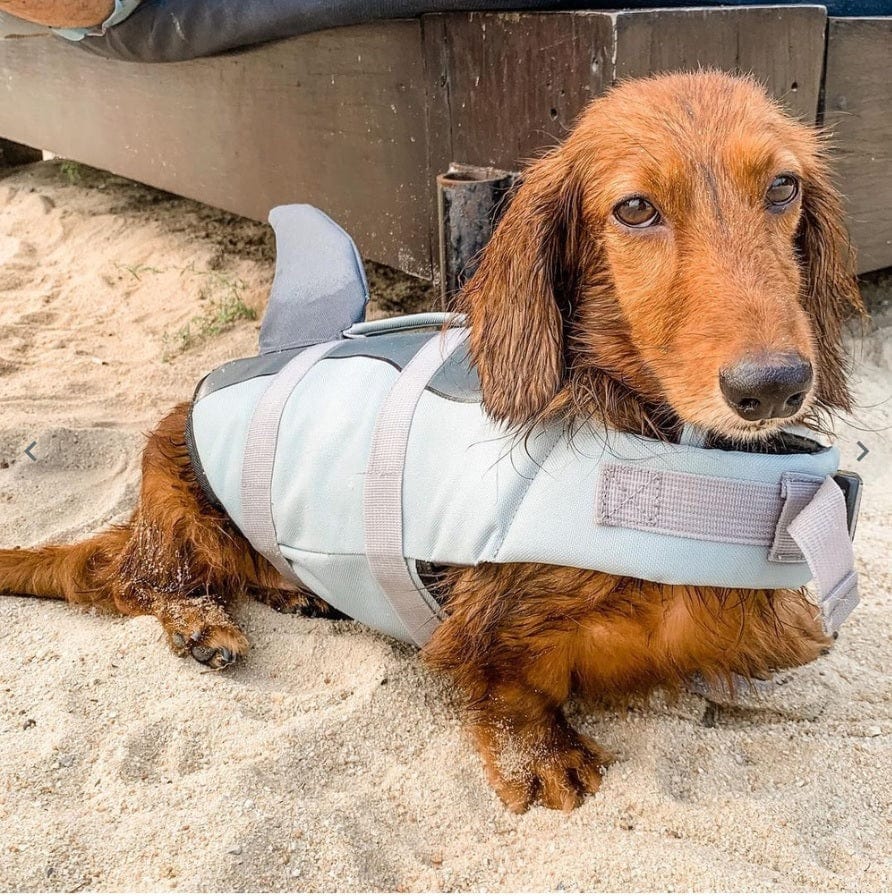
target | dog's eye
x=783, y=190
x=636, y=212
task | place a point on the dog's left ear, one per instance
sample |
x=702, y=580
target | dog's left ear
x=831, y=288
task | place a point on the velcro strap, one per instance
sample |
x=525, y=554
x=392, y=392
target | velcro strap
x=802, y=519
x=822, y=533
x=709, y=508
x=383, y=492
x=797, y=490
x=258, y=525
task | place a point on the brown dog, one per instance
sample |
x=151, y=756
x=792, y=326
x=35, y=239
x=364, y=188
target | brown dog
x=680, y=258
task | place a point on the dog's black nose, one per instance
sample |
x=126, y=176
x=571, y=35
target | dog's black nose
x=771, y=386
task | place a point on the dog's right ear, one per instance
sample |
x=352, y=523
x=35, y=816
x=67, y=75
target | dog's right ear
x=519, y=298
x=831, y=285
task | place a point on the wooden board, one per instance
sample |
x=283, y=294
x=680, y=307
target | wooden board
x=506, y=85
x=360, y=120
x=858, y=113
x=334, y=118
x=782, y=46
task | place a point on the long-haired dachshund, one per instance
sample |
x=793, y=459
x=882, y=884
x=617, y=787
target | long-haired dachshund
x=680, y=258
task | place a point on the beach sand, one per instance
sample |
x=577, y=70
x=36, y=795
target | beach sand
x=330, y=759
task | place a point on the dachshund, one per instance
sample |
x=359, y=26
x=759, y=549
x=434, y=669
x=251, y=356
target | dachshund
x=680, y=258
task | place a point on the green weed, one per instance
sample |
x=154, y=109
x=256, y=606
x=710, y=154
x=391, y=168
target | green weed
x=224, y=308
x=71, y=171
x=136, y=269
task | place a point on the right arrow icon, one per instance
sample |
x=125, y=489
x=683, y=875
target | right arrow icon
x=864, y=451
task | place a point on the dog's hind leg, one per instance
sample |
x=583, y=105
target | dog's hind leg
x=177, y=558
x=120, y=570
x=77, y=573
x=163, y=573
x=198, y=625
x=184, y=563
x=294, y=600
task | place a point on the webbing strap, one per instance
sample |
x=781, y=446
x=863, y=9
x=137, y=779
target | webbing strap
x=797, y=491
x=802, y=519
x=258, y=525
x=822, y=533
x=710, y=508
x=383, y=492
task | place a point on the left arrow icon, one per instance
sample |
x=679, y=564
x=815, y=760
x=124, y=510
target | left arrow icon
x=28, y=451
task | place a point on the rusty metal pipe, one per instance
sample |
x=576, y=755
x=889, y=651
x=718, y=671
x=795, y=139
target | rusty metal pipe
x=469, y=202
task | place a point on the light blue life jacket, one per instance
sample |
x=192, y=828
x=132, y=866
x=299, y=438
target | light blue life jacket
x=353, y=454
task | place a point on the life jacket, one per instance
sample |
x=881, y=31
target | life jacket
x=354, y=455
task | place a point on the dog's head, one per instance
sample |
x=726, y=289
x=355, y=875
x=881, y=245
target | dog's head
x=681, y=257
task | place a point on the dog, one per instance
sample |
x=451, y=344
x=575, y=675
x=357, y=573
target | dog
x=679, y=259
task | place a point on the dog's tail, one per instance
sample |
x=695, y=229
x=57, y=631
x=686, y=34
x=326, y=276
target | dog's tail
x=81, y=573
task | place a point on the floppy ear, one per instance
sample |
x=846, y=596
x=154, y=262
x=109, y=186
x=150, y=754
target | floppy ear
x=831, y=288
x=521, y=293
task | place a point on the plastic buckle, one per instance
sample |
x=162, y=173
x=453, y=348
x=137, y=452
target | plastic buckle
x=851, y=485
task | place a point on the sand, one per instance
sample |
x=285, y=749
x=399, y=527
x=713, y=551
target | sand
x=330, y=759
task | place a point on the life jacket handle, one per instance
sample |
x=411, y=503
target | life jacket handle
x=426, y=321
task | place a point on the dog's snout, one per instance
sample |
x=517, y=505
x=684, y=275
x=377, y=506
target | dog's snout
x=772, y=386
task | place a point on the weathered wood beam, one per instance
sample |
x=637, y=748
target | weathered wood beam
x=335, y=118
x=505, y=85
x=858, y=114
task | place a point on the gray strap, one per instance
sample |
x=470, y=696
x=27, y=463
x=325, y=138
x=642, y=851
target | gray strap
x=822, y=533
x=710, y=508
x=383, y=493
x=803, y=519
x=258, y=525
x=821, y=530
x=797, y=491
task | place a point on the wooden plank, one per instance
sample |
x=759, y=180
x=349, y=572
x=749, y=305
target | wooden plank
x=438, y=123
x=512, y=83
x=858, y=113
x=782, y=46
x=360, y=120
x=335, y=118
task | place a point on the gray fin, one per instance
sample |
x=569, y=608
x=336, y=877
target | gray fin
x=319, y=288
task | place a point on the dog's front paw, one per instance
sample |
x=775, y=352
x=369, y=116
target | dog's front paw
x=212, y=646
x=202, y=629
x=550, y=763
